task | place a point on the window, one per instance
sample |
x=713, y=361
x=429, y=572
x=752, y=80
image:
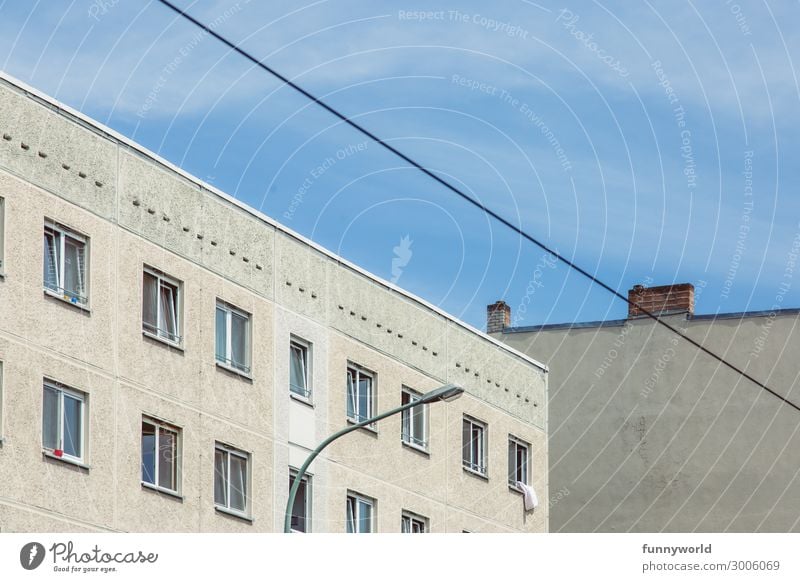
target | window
x=474, y=445
x=65, y=271
x=359, y=513
x=2, y=233
x=233, y=338
x=301, y=510
x=63, y=414
x=161, y=306
x=412, y=523
x=299, y=376
x=414, y=421
x=517, y=461
x=360, y=394
x=231, y=477
x=160, y=455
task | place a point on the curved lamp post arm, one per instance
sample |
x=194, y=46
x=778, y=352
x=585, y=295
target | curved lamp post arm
x=447, y=392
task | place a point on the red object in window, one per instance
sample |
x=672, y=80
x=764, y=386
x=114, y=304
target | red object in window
x=58, y=453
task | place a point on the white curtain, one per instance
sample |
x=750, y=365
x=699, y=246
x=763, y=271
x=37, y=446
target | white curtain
x=220, y=478
x=239, y=341
x=150, y=302
x=222, y=335
x=238, y=479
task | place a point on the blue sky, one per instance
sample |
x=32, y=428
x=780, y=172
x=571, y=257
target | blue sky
x=645, y=141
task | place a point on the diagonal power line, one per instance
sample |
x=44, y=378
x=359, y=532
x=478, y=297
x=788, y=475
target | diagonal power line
x=361, y=129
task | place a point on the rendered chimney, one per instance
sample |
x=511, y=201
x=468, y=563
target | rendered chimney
x=663, y=300
x=498, y=316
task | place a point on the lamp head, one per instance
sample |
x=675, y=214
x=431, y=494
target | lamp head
x=445, y=393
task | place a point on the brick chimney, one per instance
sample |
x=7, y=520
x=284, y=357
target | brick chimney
x=663, y=300
x=498, y=316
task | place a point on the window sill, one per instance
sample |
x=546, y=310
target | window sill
x=235, y=371
x=301, y=399
x=235, y=514
x=162, y=340
x=417, y=448
x=67, y=460
x=157, y=489
x=373, y=428
x=65, y=299
x=483, y=476
x=515, y=489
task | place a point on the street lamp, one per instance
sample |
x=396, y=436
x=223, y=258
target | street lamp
x=445, y=393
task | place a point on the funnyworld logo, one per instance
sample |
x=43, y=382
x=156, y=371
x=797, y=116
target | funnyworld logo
x=31, y=555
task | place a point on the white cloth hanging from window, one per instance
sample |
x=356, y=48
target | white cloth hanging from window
x=529, y=496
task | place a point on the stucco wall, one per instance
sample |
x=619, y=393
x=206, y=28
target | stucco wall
x=648, y=434
x=137, y=211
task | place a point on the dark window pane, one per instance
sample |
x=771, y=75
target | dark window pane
x=351, y=394
x=350, y=517
x=297, y=370
x=72, y=426
x=512, y=462
x=52, y=251
x=465, y=439
x=239, y=341
x=167, y=468
x=74, y=268
x=364, y=517
x=364, y=397
x=148, y=453
x=50, y=419
x=169, y=310
x=299, y=516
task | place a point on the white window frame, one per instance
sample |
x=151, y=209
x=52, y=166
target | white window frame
x=305, y=348
x=60, y=234
x=479, y=465
x=407, y=433
x=175, y=339
x=518, y=444
x=233, y=452
x=159, y=424
x=409, y=521
x=81, y=397
x=352, y=397
x=227, y=362
x=355, y=499
x=307, y=478
x=2, y=236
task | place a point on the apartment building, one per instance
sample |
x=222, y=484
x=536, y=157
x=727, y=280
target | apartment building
x=647, y=433
x=169, y=356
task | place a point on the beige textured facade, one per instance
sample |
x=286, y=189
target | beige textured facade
x=647, y=433
x=137, y=212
